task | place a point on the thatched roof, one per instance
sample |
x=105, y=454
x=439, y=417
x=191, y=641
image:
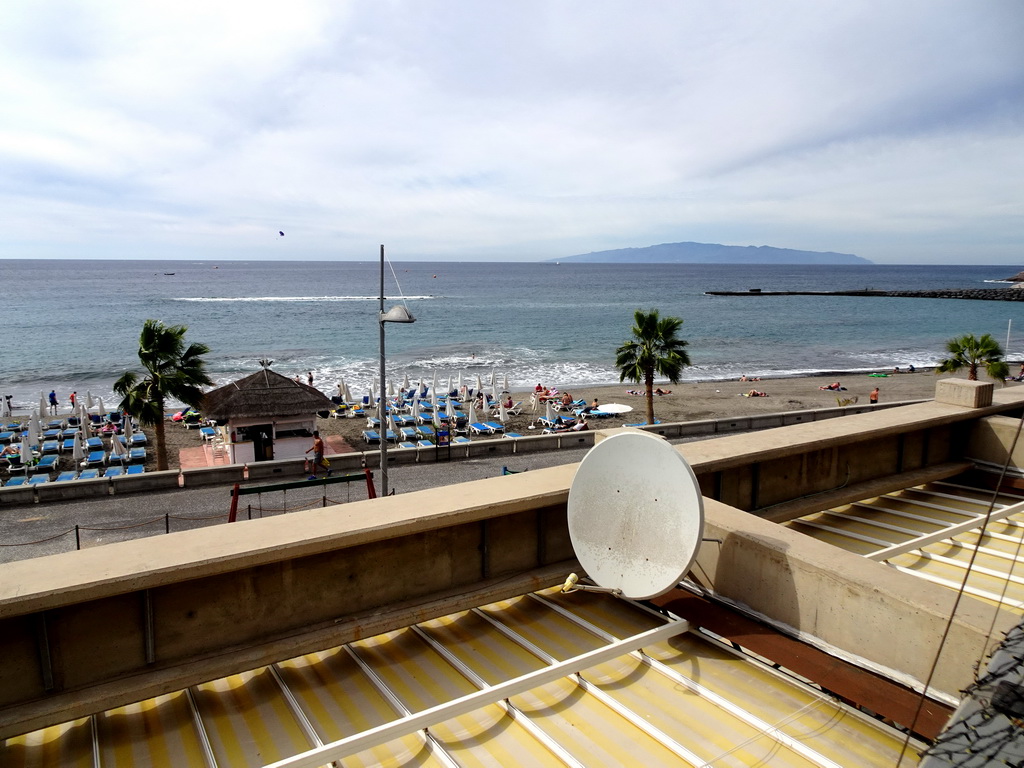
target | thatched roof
x=263, y=395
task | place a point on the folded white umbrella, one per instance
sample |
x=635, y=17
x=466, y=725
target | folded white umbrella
x=504, y=385
x=116, y=449
x=416, y=409
x=100, y=408
x=373, y=399
x=436, y=418
x=548, y=413
x=26, y=452
x=77, y=451
x=449, y=409
x=502, y=414
x=127, y=422
x=459, y=387
x=405, y=382
x=449, y=389
x=392, y=426
x=493, y=376
x=471, y=412
x=479, y=384
x=433, y=385
x=88, y=399
x=35, y=432
x=391, y=388
x=42, y=404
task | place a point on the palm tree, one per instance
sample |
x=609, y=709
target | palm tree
x=969, y=352
x=171, y=371
x=654, y=348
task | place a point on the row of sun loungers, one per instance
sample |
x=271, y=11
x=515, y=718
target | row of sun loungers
x=85, y=474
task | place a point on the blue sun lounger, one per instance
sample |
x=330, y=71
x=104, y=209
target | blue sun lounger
x=46, y=464
x=94, y=444
x=511, y=434
x=67, y=446
x=16, y=481
x=136, y=469
x=406, y=444
x=480, y=428
x=496, y=426
x=88, y=474
x=7, y=436
x=112, y=471
x=460, y=440
x=65, y=476
x=425, y=430
x=139, y=440
x=51, y=446
x=136, y=455
x=38, y=479
x=207, y=433
x=96, y=459
x=371, y=435
x=408, y=433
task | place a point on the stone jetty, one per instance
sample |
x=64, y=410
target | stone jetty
x=976, y=294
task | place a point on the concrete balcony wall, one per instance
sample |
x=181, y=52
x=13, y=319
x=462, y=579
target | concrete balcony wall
x=83, y=631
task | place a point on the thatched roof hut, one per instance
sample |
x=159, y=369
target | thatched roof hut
x=263, y=395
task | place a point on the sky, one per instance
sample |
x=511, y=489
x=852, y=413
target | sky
x=454, y=130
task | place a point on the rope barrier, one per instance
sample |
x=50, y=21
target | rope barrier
x=122, y=527
x=40, y=541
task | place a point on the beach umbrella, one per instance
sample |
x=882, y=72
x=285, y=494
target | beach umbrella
x=26, y=452
x=449, y=389
x=88, y=399
x=99, y=407
x=471, y=412
x=416, y=410
x=77, y=451
x=433, y=400
x=548, y=413
x=493, y=376
x=371, y=400
x=84, y=421
x=391, y=388
x=502, y=414
x=459, y=387
x=436, y=418
x=504, y=385
x=42, y=404
x=392, y=426
x=479, y=384
x=116, y=449
x=449, y=409
x=35, y=432
x=127, y=421
x=405, y=382
x=433, y=386
x=341, y=390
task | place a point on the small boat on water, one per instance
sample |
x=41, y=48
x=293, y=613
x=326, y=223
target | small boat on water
x=168, y=273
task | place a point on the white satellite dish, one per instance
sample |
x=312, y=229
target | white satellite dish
x=635, y=515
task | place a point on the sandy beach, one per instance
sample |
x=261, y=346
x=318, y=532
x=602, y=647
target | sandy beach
x=687, y=402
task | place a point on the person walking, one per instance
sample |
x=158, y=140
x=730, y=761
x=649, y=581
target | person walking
x=53, y=402
x=318, y=456
x=873, y=397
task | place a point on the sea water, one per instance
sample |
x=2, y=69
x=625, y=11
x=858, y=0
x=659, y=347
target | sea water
x=74, y=325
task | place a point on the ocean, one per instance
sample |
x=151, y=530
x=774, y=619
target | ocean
x=74, y=325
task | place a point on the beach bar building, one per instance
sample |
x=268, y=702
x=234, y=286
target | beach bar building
x=265, y=416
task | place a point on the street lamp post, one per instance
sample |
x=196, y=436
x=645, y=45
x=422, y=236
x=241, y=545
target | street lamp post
x=397, y=314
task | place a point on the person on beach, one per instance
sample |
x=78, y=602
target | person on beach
x=73, y=398
x=309, y=377
x=566, y=399
x=53, y=402
x=756, y=393
x=873, y=397
x=540, y=387
x=318, y=456
x=660, y=391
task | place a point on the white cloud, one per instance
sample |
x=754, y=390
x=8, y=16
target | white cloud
x=527, y=130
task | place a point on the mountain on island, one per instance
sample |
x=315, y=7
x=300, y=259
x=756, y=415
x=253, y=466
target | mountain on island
x=713, y=253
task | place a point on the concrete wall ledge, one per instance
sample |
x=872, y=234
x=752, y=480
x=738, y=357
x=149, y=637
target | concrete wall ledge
x=74, y=489
x=147, y=481
x=272, y=470
x=17, y=494
x=232, y=473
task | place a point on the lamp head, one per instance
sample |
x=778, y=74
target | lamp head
x=397, y=314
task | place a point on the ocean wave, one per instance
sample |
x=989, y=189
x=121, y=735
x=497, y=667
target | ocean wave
x=305, y=299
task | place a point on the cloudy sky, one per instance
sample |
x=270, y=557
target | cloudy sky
x=526, y=130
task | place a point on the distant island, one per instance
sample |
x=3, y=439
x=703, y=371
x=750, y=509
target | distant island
x=713, y=253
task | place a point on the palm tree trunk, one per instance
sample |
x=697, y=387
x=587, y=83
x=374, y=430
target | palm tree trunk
x=161, y=442
x=972, y=372
x=649, y=383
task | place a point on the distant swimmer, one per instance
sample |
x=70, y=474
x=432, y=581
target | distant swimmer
x=280, y=233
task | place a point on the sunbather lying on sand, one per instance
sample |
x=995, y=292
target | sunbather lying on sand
x=755, y=393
